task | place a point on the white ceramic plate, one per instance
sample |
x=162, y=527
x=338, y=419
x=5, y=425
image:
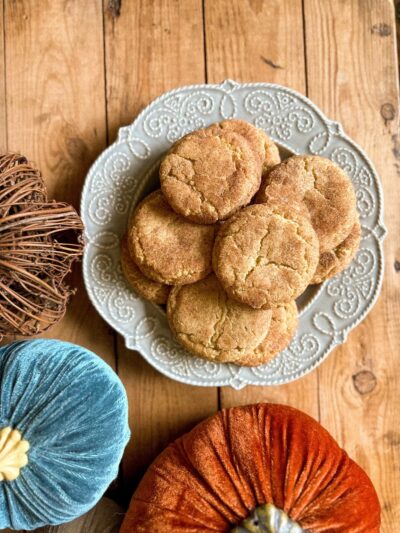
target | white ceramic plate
x=127, y=170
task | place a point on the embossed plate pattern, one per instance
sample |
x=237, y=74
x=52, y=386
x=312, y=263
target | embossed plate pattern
x=125, y=172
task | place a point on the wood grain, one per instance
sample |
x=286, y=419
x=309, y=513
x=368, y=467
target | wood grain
x=56, y=117
x=249, y=40
x=3, y=102
x=255, y=40
x=152, y=47
x=397, y=22
x=352, y=76
x=71, y=73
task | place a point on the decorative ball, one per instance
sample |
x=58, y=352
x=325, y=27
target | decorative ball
x=257, y=468
x=63, y=429
x=39, y=240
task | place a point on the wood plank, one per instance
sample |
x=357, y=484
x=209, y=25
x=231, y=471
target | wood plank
x=152, y=47
x=352, y=76
x=252, y=40
x=3, y=96
x=397, y=21
x=56, y=117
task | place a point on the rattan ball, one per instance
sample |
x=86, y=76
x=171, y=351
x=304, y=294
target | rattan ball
x=39, y=241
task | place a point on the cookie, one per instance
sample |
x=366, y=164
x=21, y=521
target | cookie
x=265, y=150
x=325, y=189
x=283, y=326
x=211, y=325
x=167, y=247
x=333, y=262
x=272, y=156
x=266, y=255
x=143, y=286
x=207, y=177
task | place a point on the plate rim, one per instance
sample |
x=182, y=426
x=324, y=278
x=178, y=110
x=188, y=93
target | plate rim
x=228, y=86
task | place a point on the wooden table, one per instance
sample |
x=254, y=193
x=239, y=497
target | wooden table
x=72, y=72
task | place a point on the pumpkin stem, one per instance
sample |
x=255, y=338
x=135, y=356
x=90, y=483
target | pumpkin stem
x=268, y=519
x=13, y=453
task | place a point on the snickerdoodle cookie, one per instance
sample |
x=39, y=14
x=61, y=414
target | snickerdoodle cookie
x=272, y=156
x=325, y=189
x=143, y=286
x=211, y=325
x=266, y=255
x=167, y=247
x=283, y=326
x=265, y=149
x=336, y=260
x=207, y=177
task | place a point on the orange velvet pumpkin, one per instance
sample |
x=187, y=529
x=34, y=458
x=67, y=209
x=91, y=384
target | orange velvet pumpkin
x=213, y=477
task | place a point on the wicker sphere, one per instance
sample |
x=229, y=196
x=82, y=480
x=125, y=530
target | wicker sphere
x=39, y=240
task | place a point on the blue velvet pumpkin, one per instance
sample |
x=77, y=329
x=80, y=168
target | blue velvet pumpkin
x=71, y=408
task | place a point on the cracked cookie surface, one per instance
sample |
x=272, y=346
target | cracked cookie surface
x=336, y=260
x=284, y=321
x=211, y=325
x=266, y=255
x=147, y=288
x=167, y=247
x=207, y=177
x=265, y=149
x=325, y=189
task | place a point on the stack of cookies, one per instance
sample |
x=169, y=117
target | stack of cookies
x=234, y=236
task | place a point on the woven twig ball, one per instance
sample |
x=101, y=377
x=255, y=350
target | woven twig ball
x=39, y=240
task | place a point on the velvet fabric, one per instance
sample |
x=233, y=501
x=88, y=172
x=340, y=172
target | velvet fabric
x=106, y=517
x=214, y=476
x=72, y=409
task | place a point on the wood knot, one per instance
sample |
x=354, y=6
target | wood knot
x=382, y=29
x=77, y=148
x=396, y=146
x=364, y=381
x=397, y=265
x=388, y=112
x=392, y=438
x=114, y=7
